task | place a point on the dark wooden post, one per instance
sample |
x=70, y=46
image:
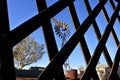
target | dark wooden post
x=50, y=40
x=7, y=71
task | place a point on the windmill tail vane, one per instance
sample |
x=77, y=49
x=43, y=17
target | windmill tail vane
x=55, y=21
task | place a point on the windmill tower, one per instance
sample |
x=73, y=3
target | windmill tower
x=63, y=31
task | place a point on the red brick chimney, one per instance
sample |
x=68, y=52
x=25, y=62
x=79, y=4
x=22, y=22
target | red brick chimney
x=71, y=74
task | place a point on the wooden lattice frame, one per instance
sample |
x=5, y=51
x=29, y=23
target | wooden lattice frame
x=54, y=69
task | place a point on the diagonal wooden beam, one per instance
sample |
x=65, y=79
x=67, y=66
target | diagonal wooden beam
x=98, y=34
x=114, y=71
x=113, y=7
x=101, y=45
x=113, y=31
x=83, y=44
x=64, y=53
x=34, y=23
x=50, y=40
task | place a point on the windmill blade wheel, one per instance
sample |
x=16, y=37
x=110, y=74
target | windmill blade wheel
x=62, y=30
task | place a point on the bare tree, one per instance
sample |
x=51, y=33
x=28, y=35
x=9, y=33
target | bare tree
x=27, y=51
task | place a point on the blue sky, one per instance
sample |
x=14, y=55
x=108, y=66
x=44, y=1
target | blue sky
x=22, y=10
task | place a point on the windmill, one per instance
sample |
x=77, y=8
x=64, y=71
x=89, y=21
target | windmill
x=63, y=31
